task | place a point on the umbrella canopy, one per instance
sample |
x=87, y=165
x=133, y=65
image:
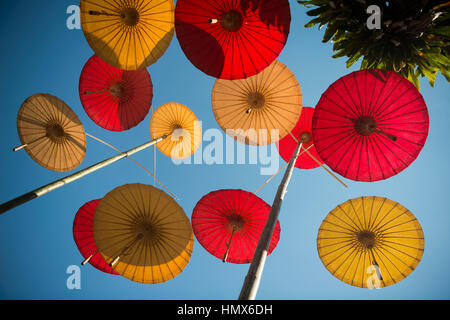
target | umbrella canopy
x=232, y=39
x=370, y=239
x=370, y=125
x=229, y=222
x=303, y=129
x=51, y=133
x=181, y=126
x=84, y=237
x=115, y=99
x=128, y=35
x=250, y=109
x=143, y=233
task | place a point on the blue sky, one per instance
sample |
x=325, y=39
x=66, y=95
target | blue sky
x=40, y=55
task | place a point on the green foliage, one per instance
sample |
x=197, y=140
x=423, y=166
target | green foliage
x=413, y=40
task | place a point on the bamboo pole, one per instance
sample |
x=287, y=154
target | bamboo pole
x=253, y=278
x=73, y=177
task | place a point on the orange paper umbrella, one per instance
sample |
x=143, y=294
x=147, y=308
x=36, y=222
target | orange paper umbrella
x=115, y=99
x=370, y=242
x=143, y=233
x=260, y=109
x=180, y=125
x=51, y=133
x=128, y=35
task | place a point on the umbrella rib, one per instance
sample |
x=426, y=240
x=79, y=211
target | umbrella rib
x=400, y=231
x=352, y=228
x=350, y=232
x=353, y=221
x=377, y=109
x=356, y=214
x=45, y=108
x=239, y=38
x=348, y=107
x=359, y=96
x=374, y=105
x=333, y=251
x=381, y=260
x=376, y=227
x=396, y=257
x=394, y=218
x=103, y=7
x=383, y=116
x=413, y=220
x=376, y=157
x=404, y=245
x=350, y=251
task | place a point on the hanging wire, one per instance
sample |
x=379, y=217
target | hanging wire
x=132, y=159
x=318, y=162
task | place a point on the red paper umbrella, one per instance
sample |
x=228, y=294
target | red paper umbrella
x=303, y=128
x=370, y=125
x=232, y=39
x=115, y=99
x=84, y=237
x=228, y=224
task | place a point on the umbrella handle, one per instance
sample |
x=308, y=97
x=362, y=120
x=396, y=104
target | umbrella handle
x=20, y=147
x=228, y=244
x=388, y=135
x=27, y=144
x=377, y=267
x=88, y=258
x=123, y=252
x=111, y=264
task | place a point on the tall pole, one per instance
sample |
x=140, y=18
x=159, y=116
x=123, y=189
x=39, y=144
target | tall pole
x=253, y=278
x=77, y=175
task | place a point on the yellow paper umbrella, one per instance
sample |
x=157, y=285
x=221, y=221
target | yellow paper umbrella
x=143, y=233
x=51, y=133
x=370, y=242
x=251, y=108
x=128, y=35
x=181, y=126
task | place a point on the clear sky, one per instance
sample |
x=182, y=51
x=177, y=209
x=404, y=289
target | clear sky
x=40, y=55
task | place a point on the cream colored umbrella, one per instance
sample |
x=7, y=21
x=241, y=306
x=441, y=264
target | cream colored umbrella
x=143, y=233
x=251, y=108
x=51, y=133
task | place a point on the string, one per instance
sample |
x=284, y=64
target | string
x=129, y=157
x=279, y=170
x=318, y=162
